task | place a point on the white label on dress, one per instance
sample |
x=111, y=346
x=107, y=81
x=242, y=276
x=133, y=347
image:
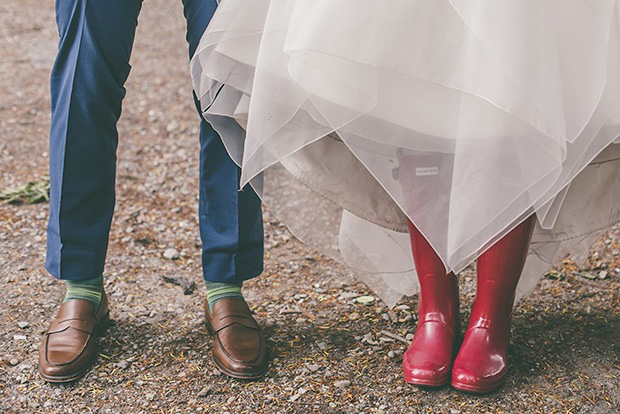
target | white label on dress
x=421, y=172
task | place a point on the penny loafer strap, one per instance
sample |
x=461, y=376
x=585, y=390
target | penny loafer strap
x=222, y=322
x=83, y=325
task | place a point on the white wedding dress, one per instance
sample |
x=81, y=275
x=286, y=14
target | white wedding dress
x=466, y=116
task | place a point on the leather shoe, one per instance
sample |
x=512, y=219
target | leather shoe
x=239, y=347
x=68, y=347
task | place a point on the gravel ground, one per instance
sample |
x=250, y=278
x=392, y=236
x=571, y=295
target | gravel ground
x=329, y=352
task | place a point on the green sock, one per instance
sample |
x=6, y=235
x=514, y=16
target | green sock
x=90, y=290
x=217, y=291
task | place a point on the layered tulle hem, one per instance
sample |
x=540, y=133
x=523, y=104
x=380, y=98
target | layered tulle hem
x=465, y=118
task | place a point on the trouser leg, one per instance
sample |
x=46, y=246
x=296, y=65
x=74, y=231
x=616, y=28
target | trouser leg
x=87, y=88
x=231, y=226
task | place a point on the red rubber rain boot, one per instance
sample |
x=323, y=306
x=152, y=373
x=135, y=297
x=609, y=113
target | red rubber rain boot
x=481, y=363
x=428, y=360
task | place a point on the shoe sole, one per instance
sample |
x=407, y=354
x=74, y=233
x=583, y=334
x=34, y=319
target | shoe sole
x=101, y=329
x=238, y=375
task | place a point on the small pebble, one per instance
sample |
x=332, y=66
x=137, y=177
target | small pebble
x=204, y=392
x=313, y=367
x=322, y=346
x=25, y=367
x=369, y=339
x=14, y=361
x=171, y=254
x=348, y=295
x=365, y=300
x=172, y=126
x=342, y=384
x=23, y=325
x=393, y=317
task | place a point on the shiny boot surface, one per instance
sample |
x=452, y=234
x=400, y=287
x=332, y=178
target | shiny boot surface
x=481, y=364
x=428, y=361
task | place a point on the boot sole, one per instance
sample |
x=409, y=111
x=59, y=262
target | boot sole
x=435, y=383
x=479, y=389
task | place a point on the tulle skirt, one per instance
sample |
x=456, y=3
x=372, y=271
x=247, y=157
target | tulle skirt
x=467, y=117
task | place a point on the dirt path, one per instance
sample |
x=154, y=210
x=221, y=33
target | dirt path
x=156, y=356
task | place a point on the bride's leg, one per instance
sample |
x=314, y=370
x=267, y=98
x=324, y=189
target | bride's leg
x=428, y=360
x=481, y=363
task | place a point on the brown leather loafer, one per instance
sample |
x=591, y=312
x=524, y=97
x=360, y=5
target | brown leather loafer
x=239, y=348
x=68, y=347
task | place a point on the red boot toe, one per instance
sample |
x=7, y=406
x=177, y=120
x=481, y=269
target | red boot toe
x=481, y=364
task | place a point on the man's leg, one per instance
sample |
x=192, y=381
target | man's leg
x=96, y=37
x=231, y=225
x=231, y=229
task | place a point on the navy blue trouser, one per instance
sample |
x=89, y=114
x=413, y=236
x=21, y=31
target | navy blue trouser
x=87, y=87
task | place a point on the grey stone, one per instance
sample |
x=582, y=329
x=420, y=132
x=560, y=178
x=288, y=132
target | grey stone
x=171, y=254
x=313, y=367
x=204, y=392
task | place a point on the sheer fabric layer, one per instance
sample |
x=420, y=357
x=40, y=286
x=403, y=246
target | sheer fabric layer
x=465, y=117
